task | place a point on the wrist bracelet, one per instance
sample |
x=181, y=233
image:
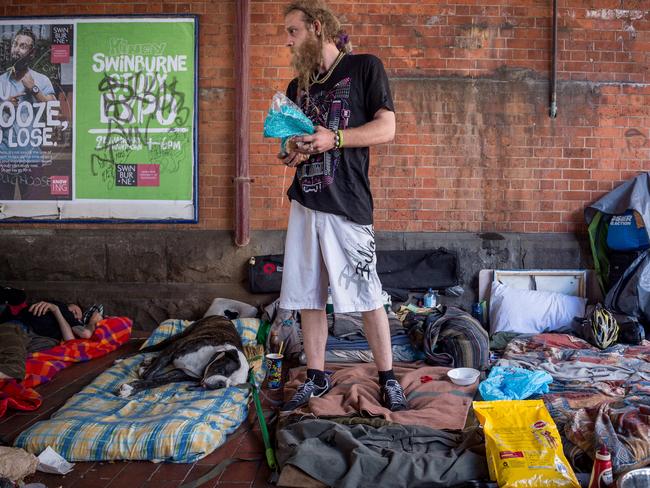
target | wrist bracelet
x=338, y=142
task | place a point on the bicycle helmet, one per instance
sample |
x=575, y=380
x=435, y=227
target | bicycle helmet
x=601, y=328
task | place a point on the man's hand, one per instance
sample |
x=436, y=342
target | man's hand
x=319, y=142
x=28, y=81
x=41, y=308
x=15, y=99
x=293, y=159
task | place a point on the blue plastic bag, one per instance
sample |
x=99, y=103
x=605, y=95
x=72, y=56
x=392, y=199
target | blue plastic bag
x=514, y=384
x=285, y=119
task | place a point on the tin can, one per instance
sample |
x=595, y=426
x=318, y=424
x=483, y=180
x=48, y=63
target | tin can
x=274, y=371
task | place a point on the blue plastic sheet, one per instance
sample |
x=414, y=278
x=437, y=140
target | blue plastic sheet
x=512, y=383
x=285, y=119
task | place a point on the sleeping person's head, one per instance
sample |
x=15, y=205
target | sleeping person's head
x=93, y=315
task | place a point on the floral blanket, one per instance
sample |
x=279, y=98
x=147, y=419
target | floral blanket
x=596, y=396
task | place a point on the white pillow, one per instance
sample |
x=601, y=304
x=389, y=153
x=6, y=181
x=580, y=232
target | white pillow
x=220, y=305
x=532, y=311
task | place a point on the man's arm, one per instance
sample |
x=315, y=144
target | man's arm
x=82, y=332
x=41, y=308
x=379, y=130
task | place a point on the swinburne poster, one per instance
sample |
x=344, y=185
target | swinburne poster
x=98, y=118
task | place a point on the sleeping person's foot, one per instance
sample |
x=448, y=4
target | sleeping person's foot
x=304, y=392
x=392, y=396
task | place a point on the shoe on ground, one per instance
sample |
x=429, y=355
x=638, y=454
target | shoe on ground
x=392, y=396
x=304, y=392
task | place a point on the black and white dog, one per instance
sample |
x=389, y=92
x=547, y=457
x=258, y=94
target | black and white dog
x=209, y=351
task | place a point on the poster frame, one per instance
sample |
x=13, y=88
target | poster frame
x=195, y=138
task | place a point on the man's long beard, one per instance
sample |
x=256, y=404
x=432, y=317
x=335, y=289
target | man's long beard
x=306, y=61
x=19, y=64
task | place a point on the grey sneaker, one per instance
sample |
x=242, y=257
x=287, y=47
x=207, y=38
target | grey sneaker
x=392, y=396
x=304, y=392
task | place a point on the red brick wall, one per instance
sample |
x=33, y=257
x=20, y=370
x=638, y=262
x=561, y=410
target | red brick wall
x=475, y=149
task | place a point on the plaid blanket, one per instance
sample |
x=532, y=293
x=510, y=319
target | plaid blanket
x=171, y=423
x=42, y=366
x=596, y=396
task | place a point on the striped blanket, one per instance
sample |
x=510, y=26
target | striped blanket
x=171, y=423
x=454, y=338
x=42, y=366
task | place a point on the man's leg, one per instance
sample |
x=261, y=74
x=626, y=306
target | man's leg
x=314, y=335
x=375, y=324
x=304, y=287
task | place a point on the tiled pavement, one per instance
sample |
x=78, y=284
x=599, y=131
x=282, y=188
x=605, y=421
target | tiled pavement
x=136, y=474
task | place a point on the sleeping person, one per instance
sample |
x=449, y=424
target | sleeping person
x=25, y=328
x=51, y=319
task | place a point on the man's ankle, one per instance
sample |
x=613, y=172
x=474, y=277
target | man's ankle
x=385, y=376
x=318, y=377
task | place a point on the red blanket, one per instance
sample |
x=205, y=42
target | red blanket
x=42, y=366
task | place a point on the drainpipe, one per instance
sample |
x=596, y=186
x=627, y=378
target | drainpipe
x=553, y=112
x=242, y=132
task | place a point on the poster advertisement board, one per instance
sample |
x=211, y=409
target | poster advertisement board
x=98, y=119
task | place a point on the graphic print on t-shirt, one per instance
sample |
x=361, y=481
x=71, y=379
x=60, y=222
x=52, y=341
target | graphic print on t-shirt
x=330, y=109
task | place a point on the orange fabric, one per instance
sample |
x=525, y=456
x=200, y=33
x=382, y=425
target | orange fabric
x=42, y=366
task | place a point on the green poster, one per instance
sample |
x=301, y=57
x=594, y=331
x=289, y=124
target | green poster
x=135, y=110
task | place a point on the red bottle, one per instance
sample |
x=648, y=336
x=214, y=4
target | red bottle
x=602, y=475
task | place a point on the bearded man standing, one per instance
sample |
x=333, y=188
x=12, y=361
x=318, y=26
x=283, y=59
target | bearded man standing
x=330, y=238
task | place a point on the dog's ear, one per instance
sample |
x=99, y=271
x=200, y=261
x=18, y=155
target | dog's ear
x=214, y=360
x=233, y=355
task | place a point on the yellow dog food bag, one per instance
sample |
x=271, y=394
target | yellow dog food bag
x=524, y=449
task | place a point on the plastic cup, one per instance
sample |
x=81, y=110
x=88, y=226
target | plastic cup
x=274, y=371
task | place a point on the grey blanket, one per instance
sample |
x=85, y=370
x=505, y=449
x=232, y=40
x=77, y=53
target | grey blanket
x=357, y=456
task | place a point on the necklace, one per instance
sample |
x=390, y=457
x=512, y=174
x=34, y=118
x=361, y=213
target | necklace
x=313, y=79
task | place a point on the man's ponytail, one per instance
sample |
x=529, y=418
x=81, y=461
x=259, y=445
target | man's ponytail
x=342, y=42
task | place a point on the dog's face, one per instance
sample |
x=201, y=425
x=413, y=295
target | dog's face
x=226, y=368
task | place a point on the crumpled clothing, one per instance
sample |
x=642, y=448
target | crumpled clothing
x=623, y=426
x=350, y=325
x=405, y=353
x=285, y=323
x=361, y=456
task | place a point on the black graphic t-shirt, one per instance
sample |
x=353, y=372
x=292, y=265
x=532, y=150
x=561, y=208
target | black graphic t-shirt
x=337, y=181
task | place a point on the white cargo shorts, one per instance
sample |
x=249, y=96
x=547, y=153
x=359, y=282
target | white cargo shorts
x=325, y=249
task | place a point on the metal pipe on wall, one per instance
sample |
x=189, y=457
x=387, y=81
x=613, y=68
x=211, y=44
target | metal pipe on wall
x=553, y=112
x=242, y=179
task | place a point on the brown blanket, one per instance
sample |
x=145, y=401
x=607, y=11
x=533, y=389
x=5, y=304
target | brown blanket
x=435, y=401
x=13, y=350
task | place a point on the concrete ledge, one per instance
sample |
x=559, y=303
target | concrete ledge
x=152, y=275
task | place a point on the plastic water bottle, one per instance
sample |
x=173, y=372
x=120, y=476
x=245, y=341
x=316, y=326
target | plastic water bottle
x=430, y=299
x=329, y=307
x=387, y=299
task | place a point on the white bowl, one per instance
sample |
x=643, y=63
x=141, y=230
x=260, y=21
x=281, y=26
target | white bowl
x=463, y=376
